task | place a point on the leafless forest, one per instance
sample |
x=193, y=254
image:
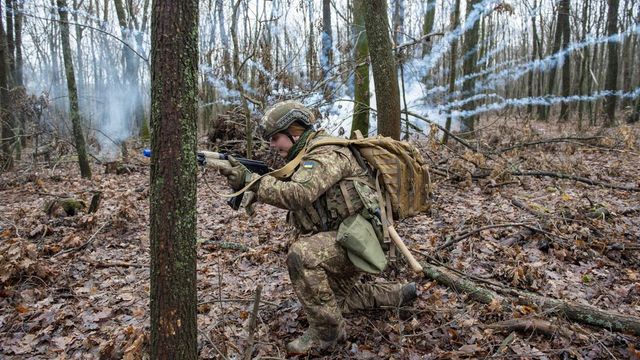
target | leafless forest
x=526, y=111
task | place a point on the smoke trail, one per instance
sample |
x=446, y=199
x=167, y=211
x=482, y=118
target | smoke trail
x=443, y=46
x=551, y=60
x=543, y=101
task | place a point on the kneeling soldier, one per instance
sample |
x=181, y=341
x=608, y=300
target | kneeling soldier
x=328, y=196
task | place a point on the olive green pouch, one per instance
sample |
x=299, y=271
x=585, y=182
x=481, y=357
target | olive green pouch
x=357, y=236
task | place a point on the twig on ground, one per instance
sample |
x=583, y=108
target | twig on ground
x=475, y=231
x=238, y=300
x=252, y=324
x=87, y=243
x=547, y=141
x=107, y=264
x=576, y=178
x=503, y=345
x=212, y=344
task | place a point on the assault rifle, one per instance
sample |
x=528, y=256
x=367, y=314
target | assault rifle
x=221, y=160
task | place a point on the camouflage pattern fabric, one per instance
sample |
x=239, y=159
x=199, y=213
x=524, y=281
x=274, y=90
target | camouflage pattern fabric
x=323, y=277
x=327, y=283
x=314, y=195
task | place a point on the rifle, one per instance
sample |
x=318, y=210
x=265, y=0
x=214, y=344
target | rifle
x=220, y=160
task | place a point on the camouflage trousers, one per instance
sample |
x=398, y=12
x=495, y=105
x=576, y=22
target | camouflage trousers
x=326, y=282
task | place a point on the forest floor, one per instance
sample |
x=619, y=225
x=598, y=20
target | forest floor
x=77, y=286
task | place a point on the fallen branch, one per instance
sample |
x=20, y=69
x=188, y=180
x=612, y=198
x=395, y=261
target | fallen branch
x=252, y=324
x=475, y=231
x=503, y=346
x=630, y=211
x=538, y=326
x=237, y=300
x=576, y=178
x=108, y=264
x=622, y=247
x=585, y=314
x=87, y=243
x=547, y=141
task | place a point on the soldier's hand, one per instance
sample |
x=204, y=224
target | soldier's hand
x=236, y=174
x=248, y=201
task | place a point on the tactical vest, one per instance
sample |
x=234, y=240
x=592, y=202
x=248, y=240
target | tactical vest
x=347, y=197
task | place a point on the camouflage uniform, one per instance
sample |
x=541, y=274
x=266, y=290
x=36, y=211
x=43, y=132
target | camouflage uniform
x=320, y=195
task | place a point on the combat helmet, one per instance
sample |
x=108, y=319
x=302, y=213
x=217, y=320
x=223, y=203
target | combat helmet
x=281, y=115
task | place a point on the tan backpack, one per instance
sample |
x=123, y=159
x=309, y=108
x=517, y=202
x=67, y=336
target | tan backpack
x=400, y=171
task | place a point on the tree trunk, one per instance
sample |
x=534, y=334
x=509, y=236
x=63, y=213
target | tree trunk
x=79, y=64
x=584, y=66
x=398, y=22
x=361, y=76
x=383, y=64
x=131, y=64
x=10, y=39
x=469, y=67
x=17, y=77
x=224, y=39
x=74, y=111
x=455, y=19
x=627, y=59
x=239, y=88
x=566, y=67
x=6, y=118
x=427, y=24
x=534, y=54
x=612, y=63
x=326, y=59
x=562, y=16
x=311, y=51
x=174, y=89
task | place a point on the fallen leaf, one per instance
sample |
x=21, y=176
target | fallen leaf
x=469, y=349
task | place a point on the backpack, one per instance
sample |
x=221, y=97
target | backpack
x=399, y=170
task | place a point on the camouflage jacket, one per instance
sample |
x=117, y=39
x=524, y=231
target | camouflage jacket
x=327, y=187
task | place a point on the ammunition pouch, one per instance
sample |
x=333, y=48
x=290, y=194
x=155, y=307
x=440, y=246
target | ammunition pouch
x=359, y=238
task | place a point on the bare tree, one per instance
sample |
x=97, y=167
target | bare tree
x=427, y=23
x=469, y=67
x=455, y=19
x=361, y=78
x=566, y=65
x=383, y=64
x=74, y=111
x=6, y=119
x=326, y=59
x=611, y=82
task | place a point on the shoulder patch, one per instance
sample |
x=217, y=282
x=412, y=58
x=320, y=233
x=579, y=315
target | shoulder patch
x=308, y=164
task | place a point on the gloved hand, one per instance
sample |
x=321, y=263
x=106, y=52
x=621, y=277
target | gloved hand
x=237, y=175
x=248, y=201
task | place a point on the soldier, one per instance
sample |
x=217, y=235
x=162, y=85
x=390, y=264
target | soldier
x=328, y=186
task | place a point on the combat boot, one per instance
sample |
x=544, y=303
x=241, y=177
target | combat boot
x=318, y=341
x=409, y=293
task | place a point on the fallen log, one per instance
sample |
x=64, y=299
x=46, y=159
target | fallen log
x=585, y=314
x=547, y=141
x=576, y=178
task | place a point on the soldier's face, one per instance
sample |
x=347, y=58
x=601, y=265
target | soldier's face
x=281, y=143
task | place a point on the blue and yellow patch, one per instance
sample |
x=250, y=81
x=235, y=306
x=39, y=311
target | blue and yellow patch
x=308, y=165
